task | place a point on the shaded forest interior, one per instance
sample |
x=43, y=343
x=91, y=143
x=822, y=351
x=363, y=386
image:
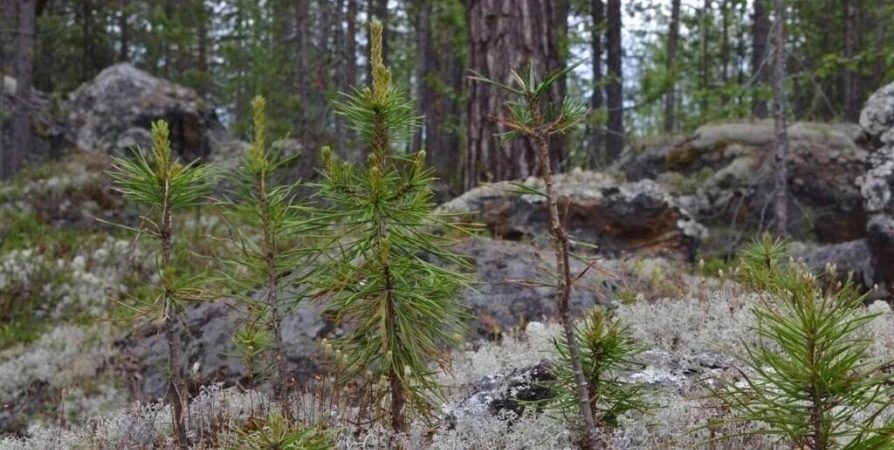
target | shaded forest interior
x=653, y=66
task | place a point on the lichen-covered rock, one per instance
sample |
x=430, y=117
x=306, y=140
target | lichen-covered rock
x=113, y=113
x=513, y=289
x=878, y=120
x=723, y=175
x=880, y=238
x=49, y=133
x=638, y=218
x=852, y=257
x=507, y=295
x=877, y=116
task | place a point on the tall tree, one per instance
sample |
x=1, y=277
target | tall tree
x=21, y=129
x=781, y=153
x=852, y=32
x=439, y=88
x=505, y=35
x=760, y=65
x=614, y=91
x=597, y=11
x=673, y=37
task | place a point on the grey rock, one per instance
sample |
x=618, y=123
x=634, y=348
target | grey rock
x=111, y=114
x=722, y=173
x=880, y=239
x=638, y=218
x=877, y=116
x=502, y=300
x=848, y=257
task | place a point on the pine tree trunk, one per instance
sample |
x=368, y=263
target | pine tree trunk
x=852, y=98
x=440, y=71
x=341, y=84
x=351, y=43
x=673, y=36
x=760, y=64
x=21, y=127
x=615, y=90
x=705, y=70
x=781, y=153
x=506, y=35
x=597, y=10
x=725, y=51
x=881, y=25
x=124, y=29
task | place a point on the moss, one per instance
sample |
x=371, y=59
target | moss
x=23, y=332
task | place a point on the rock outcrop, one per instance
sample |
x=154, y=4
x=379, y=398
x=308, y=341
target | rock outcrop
x=113, y=113
x=877, y=118
x=722, y=174
x=638, y=219
x=508, y=294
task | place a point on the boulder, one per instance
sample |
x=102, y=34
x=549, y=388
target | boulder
x=49, y=133
x=880, y=238
x=208, y=346
x=507, y=296
x=638, y=219
x=877, y=116
x=113, y=113
x=847, y=257
x=723, y=175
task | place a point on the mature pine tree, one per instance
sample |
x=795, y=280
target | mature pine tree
x=673, y=38
x=615, y=90
x=440, y=70
x=760, y=64
x=505, y=35
x=24, y=62
x=597, y=11
x=781, y=153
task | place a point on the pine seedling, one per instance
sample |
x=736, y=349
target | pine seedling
x=608, y=351
x=267, y=229
x=166, y=186
x=401, y=312
x=808, y=379
x=276, y=432
x=528, y=118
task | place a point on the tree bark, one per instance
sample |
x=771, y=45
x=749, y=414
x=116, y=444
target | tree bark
x=760, y=64
x=506, y=35
x=615, y=91
x=341, y=84
x=781, y=153
x=673, y=36
x=440, y=72
x=351, y=43
x=704, y=69
x=881, y=25
x=124, y=26
x=852, y=100
x=597, y=10
x=21, y=128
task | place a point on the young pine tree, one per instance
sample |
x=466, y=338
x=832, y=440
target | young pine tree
x=808, y=379
x=401, y=312
x=608, y=351
x=166, y=186
x=266, y=227
x=530, y=119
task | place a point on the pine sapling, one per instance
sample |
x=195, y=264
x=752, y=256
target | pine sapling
x=266, y=227
x=608, y=351
x=808, y=378
x=166, y=186
x=401, y=312
x=527, y=118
